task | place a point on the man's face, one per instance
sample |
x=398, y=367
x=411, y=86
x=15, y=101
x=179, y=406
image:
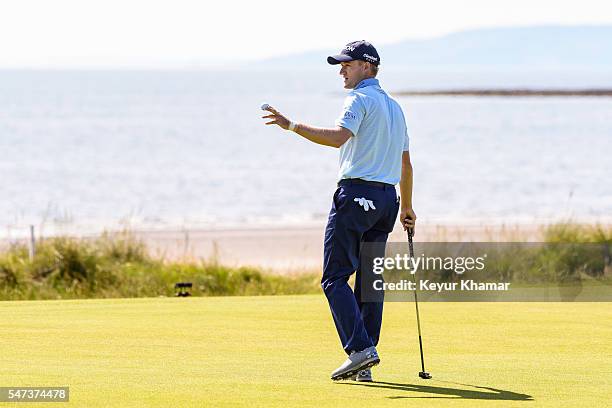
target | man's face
x=353, y=72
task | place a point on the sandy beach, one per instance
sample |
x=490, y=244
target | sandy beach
x=294, y=249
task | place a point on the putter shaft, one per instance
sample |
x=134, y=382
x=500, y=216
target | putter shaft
x=423, y=374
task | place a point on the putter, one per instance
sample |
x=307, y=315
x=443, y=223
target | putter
x=423, y=374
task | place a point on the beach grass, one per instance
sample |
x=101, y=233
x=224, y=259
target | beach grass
x=121, y=266
x=278, y=351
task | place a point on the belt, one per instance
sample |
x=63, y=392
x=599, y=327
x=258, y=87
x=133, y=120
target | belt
x=349, y=182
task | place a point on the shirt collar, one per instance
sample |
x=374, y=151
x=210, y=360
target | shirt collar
x=367, y=82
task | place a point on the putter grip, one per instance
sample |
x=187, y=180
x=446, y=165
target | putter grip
x=410, y=244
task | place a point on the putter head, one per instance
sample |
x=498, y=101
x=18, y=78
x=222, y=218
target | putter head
x=424, y=375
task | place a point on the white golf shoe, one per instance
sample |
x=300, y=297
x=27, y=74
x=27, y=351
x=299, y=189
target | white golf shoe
x=363, y=376
x=357, y=361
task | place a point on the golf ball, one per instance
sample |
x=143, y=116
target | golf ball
x=265, y=106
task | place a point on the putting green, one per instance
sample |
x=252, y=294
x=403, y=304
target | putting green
x=279, y=351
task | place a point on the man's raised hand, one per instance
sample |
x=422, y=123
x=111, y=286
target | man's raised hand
x=276, y=118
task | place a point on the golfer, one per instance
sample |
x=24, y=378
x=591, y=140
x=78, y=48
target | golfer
x=373, y=141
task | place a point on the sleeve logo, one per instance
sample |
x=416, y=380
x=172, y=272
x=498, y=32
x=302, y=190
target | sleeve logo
x=349, y=115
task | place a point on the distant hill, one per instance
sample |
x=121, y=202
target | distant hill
x=556, y=47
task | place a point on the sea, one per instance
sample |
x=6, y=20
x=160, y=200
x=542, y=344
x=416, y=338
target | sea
x=85, y=151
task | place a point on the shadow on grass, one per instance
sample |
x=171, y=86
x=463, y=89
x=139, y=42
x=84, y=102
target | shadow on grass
x=450, y=393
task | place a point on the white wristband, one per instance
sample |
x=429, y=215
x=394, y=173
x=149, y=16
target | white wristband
x=292, y=126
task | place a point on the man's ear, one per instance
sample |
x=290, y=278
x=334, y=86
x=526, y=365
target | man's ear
x=367, y=67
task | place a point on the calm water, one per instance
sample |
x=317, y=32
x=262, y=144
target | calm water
x=86, y=150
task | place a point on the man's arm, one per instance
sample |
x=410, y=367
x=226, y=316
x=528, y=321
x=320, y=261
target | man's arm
x=407, y=215
x=334, y=137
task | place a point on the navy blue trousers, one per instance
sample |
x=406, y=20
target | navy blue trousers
x=349, y=225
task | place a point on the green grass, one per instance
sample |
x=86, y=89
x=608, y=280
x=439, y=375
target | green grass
x=279, y=351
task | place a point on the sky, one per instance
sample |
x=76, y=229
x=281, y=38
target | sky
x=184, y=33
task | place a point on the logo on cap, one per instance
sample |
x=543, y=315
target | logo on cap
x=370, y=58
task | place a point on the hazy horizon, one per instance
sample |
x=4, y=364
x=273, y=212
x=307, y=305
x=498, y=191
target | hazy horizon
x=188, y=34
x=197, y=64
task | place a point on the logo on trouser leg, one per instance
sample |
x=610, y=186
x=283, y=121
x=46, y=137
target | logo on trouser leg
x=365, y=203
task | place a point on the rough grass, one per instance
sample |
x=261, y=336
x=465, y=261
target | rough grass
x=120, y=266
x=279, y=351
x=114, y=266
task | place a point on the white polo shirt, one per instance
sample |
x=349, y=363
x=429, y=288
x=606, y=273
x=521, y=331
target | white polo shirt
x=374, y=152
